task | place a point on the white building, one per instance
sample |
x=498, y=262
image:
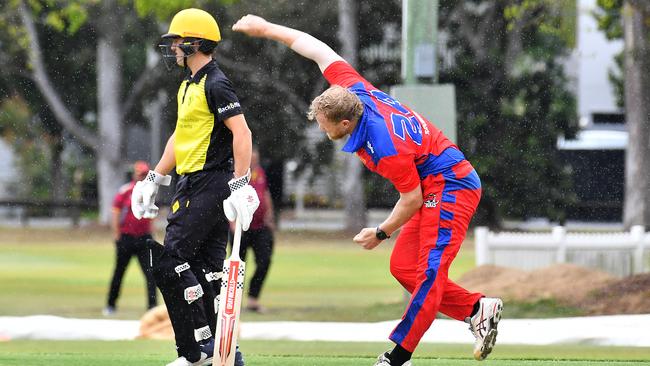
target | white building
x=9, y=175
x=590, y=64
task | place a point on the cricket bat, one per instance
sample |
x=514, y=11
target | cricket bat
x=232, y=289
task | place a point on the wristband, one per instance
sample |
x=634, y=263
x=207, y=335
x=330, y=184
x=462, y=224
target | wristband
x=155, y=177
x=237, y=183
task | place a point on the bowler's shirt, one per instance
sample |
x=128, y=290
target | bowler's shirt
x=202, y=140
x=390, y=138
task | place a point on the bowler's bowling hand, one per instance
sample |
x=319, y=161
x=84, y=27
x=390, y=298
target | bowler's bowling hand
x=251, y=25
x=367, y=238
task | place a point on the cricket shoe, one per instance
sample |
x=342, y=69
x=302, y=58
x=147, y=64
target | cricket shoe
x=208, y=349
x=182, y=361
x=109, y=311
x=484, y=326
x=239, y=358
x=383, y=360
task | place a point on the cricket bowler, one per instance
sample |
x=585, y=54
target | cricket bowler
x=210, y=149
x=439, y=192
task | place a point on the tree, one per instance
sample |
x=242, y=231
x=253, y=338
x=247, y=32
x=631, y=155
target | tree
x=263, y=69
x=355, y=204
x=630, y=20
x=110, y=23
x=274, y=85
x=637, y=109
x=504, y=58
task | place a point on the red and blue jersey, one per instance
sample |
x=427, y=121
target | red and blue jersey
x=390, y=138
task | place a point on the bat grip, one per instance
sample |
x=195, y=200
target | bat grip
x=236, y=241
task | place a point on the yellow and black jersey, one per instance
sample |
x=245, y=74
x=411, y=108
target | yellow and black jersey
x=205, y=100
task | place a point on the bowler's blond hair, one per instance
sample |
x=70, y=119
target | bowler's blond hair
x=336, y=104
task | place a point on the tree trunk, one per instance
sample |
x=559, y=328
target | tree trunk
x=637, y=110
x=154, y=113
x=109, y=87
x=56, y=167
x=353, y=192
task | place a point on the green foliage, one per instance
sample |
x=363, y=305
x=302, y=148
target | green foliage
x=19, y=127
x=608, y=16
x=68, y=18
x=163, y=10
x=610, y=21
x=511, y=111
x=553, y=18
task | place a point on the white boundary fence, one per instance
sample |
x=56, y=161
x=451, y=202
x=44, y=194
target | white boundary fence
x=619, y=253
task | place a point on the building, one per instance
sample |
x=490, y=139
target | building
x=597, y=154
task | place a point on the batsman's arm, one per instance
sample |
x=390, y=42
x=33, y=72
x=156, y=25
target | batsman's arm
x=168, y=160
x=301, y=42
x=242, y=143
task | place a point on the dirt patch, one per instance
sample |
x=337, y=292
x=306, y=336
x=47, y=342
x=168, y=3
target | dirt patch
x=566, y=283
x=630, y=295
x=595, y=292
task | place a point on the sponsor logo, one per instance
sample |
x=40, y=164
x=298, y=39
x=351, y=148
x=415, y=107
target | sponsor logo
x=230, y=293
x=372, y=150
x=431, y=201
x=423, y=123
x=228, y=107
x=193, y=293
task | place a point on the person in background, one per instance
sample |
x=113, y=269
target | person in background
x=130, y=236
x=260, y=235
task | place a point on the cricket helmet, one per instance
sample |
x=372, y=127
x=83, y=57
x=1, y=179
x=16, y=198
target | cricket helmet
x=194, y=23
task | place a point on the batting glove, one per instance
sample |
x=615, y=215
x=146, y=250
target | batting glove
x=243, y=201
x=143, y=198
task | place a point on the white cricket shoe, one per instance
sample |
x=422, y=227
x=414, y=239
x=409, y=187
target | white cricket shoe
x=484, y=326
x=382, y=360
x=182, y=361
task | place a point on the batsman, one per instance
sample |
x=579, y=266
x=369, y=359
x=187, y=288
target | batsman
x=210, y=149
x=439, y=192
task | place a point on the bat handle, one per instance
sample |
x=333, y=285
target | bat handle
x=236, y=242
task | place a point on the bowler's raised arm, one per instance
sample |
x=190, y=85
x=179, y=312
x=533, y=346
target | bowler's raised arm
x=301, y=42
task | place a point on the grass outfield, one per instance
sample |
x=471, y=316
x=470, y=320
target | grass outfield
x=97, y=353
x=313, y=277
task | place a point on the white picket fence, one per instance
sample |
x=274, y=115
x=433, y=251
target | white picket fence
x=619, y=253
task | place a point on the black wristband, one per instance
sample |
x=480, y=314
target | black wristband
x=381, y=234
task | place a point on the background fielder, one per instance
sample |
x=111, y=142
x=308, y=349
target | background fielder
x=131, y=237
x=439, y=191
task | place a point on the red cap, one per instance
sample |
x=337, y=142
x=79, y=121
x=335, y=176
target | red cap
x=140, y=167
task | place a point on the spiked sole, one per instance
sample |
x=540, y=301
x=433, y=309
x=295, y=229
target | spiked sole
x=488, y=343
x=491, y=338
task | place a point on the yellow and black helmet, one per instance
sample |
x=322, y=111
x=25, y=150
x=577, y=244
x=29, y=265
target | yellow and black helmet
x=194, y=23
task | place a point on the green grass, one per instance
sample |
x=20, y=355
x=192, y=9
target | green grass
x=73, y=353
x=321, y=277
x=314, y=277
